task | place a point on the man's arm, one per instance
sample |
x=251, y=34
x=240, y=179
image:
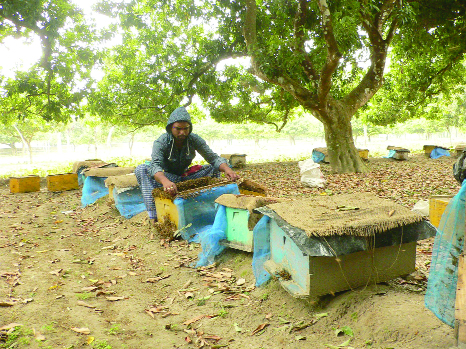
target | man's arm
x=168, y=185
x=229, y=173
x=213, y=159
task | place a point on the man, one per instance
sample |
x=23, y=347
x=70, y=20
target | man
x=172, y=154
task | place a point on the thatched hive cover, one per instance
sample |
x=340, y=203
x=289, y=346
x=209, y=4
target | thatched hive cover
x=322, y=150
x=123, y=181
x=87, y=163
x=360, y=214
x=398, y=149
x=108, y=171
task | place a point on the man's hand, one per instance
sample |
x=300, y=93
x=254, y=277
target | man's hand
x=170, y=188
x=229, y=173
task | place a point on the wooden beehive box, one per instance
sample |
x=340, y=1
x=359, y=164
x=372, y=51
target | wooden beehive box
x=197, y=197
x=364, y=154
x=25, y=184
x=240, y=219
x=322, y=151
x=249, y=187
x=437, y=205
x=459, y=149
x=62, y=182
x=400, y=153
x=235, y=160
x=308, y=265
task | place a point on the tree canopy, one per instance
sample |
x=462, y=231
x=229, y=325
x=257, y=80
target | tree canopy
x=330, y=57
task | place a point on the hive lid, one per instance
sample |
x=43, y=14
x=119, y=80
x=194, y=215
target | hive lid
x=108, y=171
x=122, y=181
x=360, y=214
x=338, y=245
x=87, y=163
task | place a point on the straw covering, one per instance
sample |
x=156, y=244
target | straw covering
x=123, y=181
x=107, y=172
x=360, y=214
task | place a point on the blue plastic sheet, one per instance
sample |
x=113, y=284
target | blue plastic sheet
x=448, y=245
x=93, y=189
x=391, y=154
x=261, y=250
x=317, y=156
x=130, y=202
x=197, y=214
x=439, y=152
x=210, y=239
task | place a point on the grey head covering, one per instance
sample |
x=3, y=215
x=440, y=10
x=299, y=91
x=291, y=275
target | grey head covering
x=179, y=114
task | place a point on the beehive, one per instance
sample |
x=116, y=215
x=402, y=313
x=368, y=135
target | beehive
x=192, y=209
x=62, y=182
x=332, y=255
x=437, y=205
x=459, y=149
x=319, y=275
x=241, y=220
x=235, y=160
x=364, y=154
x=428, y=149
x=25, y=184
x=398, y=153
x=249, y=187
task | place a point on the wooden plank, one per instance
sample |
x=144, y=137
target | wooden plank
x=460, y=305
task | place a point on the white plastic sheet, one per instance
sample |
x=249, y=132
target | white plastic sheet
x=311, y=175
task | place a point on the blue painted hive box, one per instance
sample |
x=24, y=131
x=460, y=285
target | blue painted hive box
x=324, y=245
x=241, y=219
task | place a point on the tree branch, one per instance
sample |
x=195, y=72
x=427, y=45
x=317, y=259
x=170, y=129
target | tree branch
x=333, y=55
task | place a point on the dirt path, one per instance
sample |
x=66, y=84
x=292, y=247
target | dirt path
x=88, y=278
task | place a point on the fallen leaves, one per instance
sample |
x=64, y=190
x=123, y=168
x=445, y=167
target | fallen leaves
x=259, y=328
x=81, y=330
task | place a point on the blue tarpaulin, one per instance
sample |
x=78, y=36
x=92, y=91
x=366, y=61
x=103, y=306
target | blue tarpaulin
x=210, y=239
x=448, y=246
x=129, y=202
x=391, y=154
x=439, y=152
x=261, y=250
x=199, y=211
x=93, y=189
x=317, y=156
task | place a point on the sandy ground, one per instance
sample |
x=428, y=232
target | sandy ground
x=89, y=278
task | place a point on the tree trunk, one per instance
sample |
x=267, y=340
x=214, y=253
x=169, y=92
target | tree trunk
x=28, y=143
x=109, y=137
x=131, y=144
x=343, y=155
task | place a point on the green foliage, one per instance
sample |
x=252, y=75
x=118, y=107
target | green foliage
x=54, y=86
x=20, y=336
